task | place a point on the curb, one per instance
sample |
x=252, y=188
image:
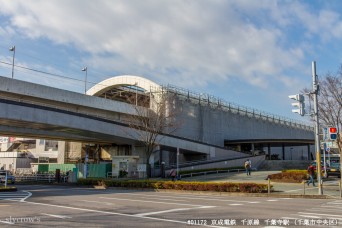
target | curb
x=271, y=195
x=8, y=189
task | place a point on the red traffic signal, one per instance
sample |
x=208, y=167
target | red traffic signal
x=332, y=133
x=333, y=130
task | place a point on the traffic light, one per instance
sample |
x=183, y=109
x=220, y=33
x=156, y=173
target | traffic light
x=300, y=106
x=332, y=133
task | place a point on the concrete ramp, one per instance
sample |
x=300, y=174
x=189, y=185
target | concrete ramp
x=268, y=165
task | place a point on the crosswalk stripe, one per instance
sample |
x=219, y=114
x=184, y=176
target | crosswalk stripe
x=16, y=196
x=319, y=214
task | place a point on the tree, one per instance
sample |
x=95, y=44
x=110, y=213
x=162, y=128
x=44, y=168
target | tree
x=154, y=118
x=330, y=103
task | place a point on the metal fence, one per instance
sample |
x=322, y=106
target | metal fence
x=49, y=178
x=211, y=172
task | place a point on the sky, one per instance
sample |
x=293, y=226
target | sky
x=252, y=53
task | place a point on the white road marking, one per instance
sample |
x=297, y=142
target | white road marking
x=273, y=200
x=332, y=206
x=309, y=216
x=6, y=222
x=308, y=213
x=148, y=201
x=29, y=195
x=254, y=202
x=111, y=213
x=235, y=204
x=90, y=201
x=334, y=203
x=15, y=196
x=325, y=209
x=188, y=197
x=172, y=210
x=57, y=216
x=163, y=198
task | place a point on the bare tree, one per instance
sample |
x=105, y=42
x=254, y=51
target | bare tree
x=154, y=118
x=330, y=103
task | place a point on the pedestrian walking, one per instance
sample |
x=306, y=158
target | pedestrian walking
x=248, y=167
x=311, y=171
x=173, y=174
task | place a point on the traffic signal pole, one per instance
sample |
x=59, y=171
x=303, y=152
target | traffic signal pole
x=317, y=142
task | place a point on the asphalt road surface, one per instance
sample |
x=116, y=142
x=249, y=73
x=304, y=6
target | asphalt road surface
x=64, y=206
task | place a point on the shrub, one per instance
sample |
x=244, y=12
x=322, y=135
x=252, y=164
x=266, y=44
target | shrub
x=252, y=188
x=294, y=176
x=178, y=185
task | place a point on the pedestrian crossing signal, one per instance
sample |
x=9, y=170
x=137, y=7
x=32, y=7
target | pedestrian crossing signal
x=333, y=133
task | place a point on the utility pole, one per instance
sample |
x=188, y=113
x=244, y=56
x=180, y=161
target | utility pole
x=317, y=144
x=177, y=163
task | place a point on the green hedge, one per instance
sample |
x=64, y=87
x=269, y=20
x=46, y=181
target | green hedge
x=179, y=185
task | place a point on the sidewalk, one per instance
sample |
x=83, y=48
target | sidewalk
x=330, y=187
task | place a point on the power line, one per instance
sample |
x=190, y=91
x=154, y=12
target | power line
x=51, y=74
x=42, y=61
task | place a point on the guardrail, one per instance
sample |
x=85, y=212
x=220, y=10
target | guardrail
x=110, y=175
x=205, y=161
x=211, y=172
x=39, y=178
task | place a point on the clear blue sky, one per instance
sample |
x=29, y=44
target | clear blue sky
x=254, y=53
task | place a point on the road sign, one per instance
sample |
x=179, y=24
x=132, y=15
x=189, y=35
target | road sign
x=326, y=134
x=327, y=149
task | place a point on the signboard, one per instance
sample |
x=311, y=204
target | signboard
x=3, y=139
x=142, y=167
x=329, y=144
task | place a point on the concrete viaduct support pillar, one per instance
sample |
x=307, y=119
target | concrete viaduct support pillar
x=309, y=152
x=283, y=150
x=269, y=151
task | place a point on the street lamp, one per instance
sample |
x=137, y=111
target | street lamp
x=136, y=93
x=85, y=81
x=13, y=49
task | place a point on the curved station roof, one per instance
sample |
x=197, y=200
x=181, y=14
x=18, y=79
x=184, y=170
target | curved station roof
x=125, y=88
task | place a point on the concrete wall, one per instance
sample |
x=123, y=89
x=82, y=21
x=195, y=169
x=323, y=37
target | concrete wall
x=213, y=125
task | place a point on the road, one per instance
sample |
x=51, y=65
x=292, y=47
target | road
x=64, y=206
x=330, y=186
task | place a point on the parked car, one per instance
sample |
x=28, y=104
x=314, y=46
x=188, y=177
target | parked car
x=10, y=177
x=334, y=170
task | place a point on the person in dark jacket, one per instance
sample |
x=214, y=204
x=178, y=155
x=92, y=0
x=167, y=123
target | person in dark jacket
x=311, y=171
